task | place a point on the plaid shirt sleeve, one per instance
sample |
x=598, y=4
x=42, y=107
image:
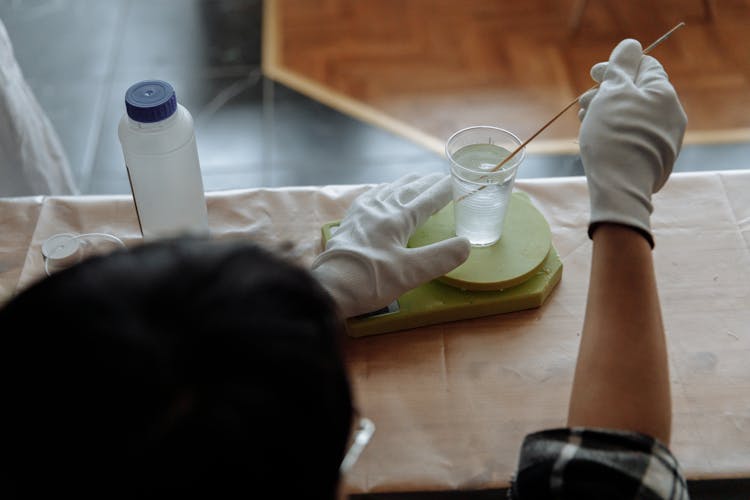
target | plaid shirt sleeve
x=584, y=463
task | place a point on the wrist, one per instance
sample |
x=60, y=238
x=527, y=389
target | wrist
x=608, y=227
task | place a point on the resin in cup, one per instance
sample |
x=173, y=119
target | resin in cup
x=480, y=213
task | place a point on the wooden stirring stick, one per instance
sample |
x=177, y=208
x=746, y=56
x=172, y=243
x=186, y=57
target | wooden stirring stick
x=570, y=105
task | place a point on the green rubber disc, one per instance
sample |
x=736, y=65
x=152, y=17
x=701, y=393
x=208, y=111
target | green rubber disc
x=520, y=253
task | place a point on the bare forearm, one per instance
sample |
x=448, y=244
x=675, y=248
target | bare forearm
x=622, y=375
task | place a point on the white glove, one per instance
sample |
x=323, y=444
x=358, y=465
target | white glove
x=366, y=264
x=631, y=133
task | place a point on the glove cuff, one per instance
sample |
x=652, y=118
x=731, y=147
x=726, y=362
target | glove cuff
x=625, y=208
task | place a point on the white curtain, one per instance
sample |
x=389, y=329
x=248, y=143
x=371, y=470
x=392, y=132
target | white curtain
x=32, y=159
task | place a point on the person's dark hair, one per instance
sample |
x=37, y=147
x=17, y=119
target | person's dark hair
x=181, y=368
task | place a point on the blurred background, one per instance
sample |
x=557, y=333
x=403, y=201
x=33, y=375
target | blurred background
x=362, y=91
x=316, y=92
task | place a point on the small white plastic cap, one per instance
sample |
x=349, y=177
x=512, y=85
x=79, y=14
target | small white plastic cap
x=62, y=249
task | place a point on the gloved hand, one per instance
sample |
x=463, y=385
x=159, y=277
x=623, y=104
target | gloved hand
x=631, y=133
x=366, y=264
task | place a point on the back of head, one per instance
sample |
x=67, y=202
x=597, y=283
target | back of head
x=180, y=368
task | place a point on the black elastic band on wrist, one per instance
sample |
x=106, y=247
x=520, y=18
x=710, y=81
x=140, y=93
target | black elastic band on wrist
x=647, y=235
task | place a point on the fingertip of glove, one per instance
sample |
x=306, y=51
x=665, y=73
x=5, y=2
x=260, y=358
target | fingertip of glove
x=463, y=247
x=627, y=55
x=628, y=45
x=429, y=183
x=598, y=70
x=434, y=192
x=442, y=180
x=433, y=177
x=439, y=176
x=455, y=250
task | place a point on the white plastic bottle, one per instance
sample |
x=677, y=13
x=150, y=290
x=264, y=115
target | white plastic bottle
x=161, y=157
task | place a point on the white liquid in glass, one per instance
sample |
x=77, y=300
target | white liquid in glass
x=480, y=213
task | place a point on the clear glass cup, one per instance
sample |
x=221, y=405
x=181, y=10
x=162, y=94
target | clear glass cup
x=480, y=193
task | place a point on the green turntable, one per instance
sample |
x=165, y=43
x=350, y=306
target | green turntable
x=518, y=272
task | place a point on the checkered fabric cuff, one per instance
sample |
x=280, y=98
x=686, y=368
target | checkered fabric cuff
x=586, y=463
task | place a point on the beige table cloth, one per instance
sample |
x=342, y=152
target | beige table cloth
x=452, y=402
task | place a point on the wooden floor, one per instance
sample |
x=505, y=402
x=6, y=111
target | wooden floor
x=425, y=68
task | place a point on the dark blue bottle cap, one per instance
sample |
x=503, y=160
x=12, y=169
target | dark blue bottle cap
x=150, y=101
